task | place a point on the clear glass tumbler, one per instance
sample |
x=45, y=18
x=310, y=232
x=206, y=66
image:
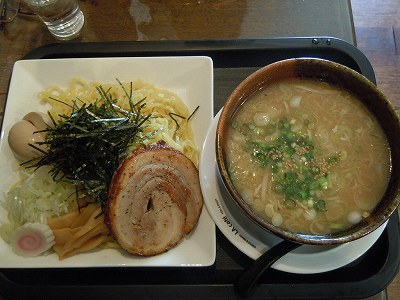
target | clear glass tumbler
x=63, y=18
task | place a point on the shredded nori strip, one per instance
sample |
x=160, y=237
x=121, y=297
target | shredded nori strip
x=86, y=147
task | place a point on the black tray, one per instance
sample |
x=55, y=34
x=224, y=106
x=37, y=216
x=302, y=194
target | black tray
x=233, y=60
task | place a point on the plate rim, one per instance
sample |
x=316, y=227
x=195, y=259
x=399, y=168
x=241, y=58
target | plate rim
x=208, y=256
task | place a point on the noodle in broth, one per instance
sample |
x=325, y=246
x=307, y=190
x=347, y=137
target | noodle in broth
x=308, y=156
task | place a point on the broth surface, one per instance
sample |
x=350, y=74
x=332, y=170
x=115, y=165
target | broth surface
x=308, y=156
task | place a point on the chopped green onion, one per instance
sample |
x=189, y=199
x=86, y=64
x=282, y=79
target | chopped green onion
x=320, y=205
x=87, y=146
x=259, y=131
x=290, y=203
x=299, y=171
x=337, y=226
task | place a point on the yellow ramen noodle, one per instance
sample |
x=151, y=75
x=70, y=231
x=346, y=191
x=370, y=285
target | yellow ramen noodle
x=164, y=106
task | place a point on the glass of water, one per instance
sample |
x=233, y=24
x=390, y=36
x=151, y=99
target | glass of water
x=63, y=18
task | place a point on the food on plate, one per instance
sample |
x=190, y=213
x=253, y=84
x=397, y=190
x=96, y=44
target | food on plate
x=86, y=146
x=34, y=199
x=26, y=135
x=87, y=134
x=21, y=135
x=78, y=231
x=40, y=120
x=169, y=115
x=32, y=239
x=302, y=152
x=154, y=200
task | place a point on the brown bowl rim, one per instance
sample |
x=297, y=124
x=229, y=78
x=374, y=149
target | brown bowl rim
x=241, y=94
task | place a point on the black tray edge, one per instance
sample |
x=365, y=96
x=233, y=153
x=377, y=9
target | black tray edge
x=193, y=48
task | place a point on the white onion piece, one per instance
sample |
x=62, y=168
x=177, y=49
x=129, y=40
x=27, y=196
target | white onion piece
x=354, y=217
x=295, y=101
x=264, y=117
x=310, y=214
x=277, y=219
x=261, y=119
x=247, y=195
x=269, y=210
x=297, y=127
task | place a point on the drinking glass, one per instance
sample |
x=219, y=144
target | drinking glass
x=63, y=18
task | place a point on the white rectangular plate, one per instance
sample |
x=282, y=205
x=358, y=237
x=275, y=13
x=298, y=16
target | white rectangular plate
x=191, y=78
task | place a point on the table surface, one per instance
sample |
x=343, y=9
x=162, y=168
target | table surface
x=134, y=20
x=155, y=20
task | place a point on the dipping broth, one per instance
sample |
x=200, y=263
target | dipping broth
x=308, y=156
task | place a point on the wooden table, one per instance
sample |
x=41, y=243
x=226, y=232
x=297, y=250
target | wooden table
x=124, y=20
x=154, y=20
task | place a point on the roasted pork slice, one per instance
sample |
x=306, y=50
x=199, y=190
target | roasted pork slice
x=154, y=200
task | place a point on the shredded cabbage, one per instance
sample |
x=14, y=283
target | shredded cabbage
x=35, y=199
